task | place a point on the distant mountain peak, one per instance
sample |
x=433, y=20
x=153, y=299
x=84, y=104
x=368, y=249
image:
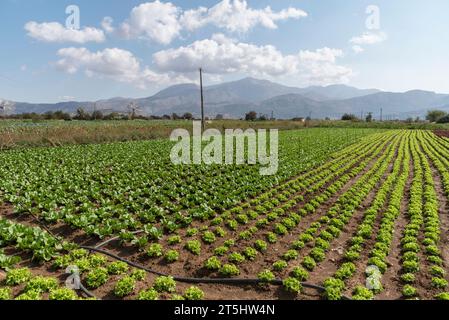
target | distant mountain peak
x=234, y=99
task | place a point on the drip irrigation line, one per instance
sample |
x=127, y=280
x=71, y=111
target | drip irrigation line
x=87, y=292
x=104, y=243
x=232, y=281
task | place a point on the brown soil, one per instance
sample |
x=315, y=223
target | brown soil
x=442, y=133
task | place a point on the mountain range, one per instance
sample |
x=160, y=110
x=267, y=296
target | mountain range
x=234, y=99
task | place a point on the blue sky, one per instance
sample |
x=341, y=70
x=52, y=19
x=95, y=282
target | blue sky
x=408, y=51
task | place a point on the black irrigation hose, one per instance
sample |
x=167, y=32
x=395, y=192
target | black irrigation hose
x=203, y=280
x=240, y=281
x=102, y=244
x=87, y=292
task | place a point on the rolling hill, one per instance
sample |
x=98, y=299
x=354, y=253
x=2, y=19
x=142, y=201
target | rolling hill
x=234, y=99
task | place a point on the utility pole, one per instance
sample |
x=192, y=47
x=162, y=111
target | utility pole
x=272, y=115
x=202, y=100
x=95, y=111
x=381, y=115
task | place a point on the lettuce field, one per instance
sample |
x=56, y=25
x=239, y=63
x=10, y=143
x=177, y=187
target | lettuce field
x=351, y=214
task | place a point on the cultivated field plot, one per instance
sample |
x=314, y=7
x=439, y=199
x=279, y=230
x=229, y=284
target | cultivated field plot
x=369, y=221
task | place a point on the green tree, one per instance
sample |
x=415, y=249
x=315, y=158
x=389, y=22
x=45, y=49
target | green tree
x=97, y=115
x=187, y=116
x=251, y=116
x=444, y=119
x=349, y=117
x=81, y=114
x=435, y=115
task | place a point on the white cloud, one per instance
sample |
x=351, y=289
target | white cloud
x=156, y=20
x=163, y=22
x=56, y=32
x=67, y=98
x=23, y=67
x=106, y=24
x=112, y=63
x=357, y=49
x=236, y=16
x=222, y=55
x=369, y=38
